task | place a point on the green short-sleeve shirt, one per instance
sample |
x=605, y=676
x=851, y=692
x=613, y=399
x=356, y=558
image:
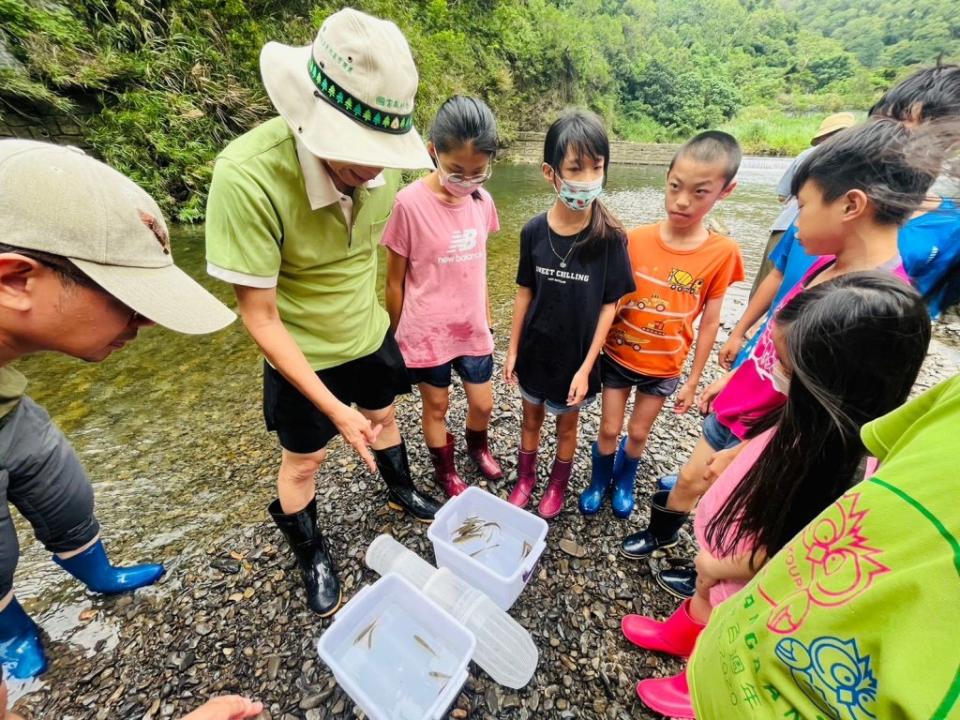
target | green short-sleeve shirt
x=12, y=386
x=857, y=617
x=262, y=231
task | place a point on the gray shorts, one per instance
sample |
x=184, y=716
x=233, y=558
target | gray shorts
x=41, y=475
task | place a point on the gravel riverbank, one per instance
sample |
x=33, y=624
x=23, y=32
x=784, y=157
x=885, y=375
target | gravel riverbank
x=230, y=617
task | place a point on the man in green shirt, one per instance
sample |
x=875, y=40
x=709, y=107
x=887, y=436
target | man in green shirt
x=85, y=262
x=295, y=212
x=857, y=617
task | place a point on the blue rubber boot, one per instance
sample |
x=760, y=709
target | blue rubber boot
x=667, y=482
x=21, y=651
x=591, y=499
x=624, y=477
x=93, y=569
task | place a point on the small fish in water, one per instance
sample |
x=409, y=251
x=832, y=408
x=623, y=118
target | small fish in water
x=465, y=538
x=423, y=643
x=439, y=675
x=368, y=633
x=489, y=547
x=527, y=547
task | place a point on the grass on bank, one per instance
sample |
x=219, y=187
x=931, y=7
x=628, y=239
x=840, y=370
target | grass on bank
x=760, y=131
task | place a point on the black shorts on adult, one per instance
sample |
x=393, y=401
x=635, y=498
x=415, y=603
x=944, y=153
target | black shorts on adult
x=614, y=375
x=370, y=382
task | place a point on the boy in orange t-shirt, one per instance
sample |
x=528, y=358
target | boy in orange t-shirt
x=682, y=270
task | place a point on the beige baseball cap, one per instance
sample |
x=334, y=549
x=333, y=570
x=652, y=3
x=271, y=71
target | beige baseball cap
x=350, y=96
x=833, y=123
x=61, y=201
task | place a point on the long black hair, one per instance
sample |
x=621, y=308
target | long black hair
x=583, y=133
x=462, y=120
x=855, y=345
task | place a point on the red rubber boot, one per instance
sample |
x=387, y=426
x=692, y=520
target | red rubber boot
x=552, y=501
x=675, y=636
x=445, y=470
x=668, y=696
x=526, y=478
x=479, y=452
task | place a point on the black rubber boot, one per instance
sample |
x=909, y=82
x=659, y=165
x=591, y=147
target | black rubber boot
x=395, y=469
x=681, y=582
x=662, y=532
x=313, y=556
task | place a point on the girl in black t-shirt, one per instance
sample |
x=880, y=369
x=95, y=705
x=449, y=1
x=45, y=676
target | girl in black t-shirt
x=573, y=269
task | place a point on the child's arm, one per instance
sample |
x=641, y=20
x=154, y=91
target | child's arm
x=706, y=336
x=396, y=274
x=521, y=303
x=732, y=567
x=758, y=305
x=581, y=380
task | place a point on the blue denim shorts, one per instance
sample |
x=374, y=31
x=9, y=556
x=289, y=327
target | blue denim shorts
x=552, y=407
x=476, y=369
x=717, y=435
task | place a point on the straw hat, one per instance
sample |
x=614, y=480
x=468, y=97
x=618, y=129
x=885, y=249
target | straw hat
x=833, y=123
x=349, y=97
x=58, y=200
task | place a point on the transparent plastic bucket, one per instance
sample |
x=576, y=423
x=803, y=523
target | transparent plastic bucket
x=505, y=649
x=396, y=653
x=502, y=558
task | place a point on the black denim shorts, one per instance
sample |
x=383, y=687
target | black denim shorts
x=614, y=375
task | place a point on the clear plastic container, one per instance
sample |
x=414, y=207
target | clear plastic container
x=505, y=649
x=385, y=555
x=396, y=653
x=501, y=559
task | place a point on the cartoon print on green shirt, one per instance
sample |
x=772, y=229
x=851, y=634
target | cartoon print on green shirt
x=830, y=563
x=833, y=674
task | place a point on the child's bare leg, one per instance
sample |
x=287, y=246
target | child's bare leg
x=646, y=408
x=435, y=403
x=700, y=607
x=690, y=480
x=612, y=409
x=530, y=429
x=479, y=404
x=567, y=425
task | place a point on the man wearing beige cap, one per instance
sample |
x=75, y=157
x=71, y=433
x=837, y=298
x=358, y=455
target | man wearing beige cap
x=830, y=126
x=296, y=209
x=85, y=262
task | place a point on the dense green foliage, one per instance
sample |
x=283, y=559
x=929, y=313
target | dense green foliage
x=173, y=80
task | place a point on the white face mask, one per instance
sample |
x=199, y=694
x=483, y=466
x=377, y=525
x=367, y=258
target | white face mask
x=781, y=379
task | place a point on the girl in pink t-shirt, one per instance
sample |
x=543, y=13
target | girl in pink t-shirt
x=436, y=292
x=854, y=192
x=800, y=457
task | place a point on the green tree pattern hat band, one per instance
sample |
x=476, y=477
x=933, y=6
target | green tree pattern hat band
x=393, y=123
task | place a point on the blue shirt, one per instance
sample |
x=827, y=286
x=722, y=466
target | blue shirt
x=930, y=249
x=790, y=259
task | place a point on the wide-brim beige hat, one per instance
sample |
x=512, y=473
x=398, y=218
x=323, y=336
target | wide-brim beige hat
x=60, y=201
x=367, y=117
x=833, y=123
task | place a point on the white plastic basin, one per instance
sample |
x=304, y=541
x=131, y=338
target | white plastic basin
x=396, y=653
x=502, y=559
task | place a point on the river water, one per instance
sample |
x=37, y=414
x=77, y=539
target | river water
x=170, y=428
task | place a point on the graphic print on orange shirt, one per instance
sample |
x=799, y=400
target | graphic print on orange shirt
x=653, y=330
